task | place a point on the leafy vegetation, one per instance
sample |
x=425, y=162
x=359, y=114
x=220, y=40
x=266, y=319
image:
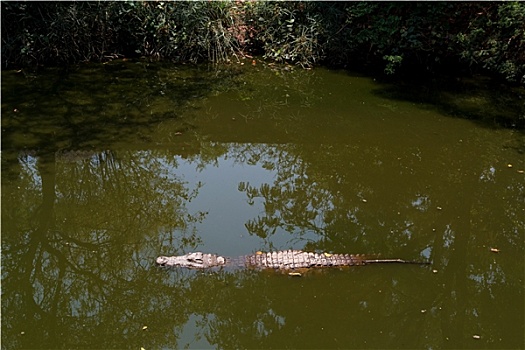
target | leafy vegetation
x=290, y=32
x=405, y=37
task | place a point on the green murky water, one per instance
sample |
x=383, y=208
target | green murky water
x=105, y=167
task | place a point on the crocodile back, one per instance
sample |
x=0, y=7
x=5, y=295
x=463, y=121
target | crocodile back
x=295, y=259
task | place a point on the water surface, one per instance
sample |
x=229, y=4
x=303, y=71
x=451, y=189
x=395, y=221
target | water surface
x=105, y=167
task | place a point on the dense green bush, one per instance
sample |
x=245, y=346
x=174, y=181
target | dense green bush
x=289, y=31
x=65, y=32
x=495, y=39
x=434, y=36
x=53, y=32
x=411, y=33
x=186, y=31
x=396, y=36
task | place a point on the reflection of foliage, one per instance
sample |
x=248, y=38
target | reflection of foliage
x=315, y=190
x=156, y=203
x=83, y=227
x=77, y=248
x=209, y=152
x=305, y=199
x=289, y=204
x=270, y=310
x=119, y=292
x=470, y=281
x=80, y=232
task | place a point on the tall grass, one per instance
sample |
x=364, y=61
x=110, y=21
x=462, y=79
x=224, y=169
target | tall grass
x=431, y=37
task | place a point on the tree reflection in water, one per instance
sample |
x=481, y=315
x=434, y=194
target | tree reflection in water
x=76, y=257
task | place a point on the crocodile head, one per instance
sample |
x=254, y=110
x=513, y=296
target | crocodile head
x=192, y=260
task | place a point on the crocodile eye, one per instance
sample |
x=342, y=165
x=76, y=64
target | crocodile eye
x=161, y=261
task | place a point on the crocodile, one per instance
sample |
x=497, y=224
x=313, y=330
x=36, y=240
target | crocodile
x=279, y=260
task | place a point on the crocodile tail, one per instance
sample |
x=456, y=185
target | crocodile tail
x=394, y=261
x=359, y=259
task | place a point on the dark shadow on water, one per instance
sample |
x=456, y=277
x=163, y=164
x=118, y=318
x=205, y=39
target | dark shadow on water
x=98, y=106
x=485, y=102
